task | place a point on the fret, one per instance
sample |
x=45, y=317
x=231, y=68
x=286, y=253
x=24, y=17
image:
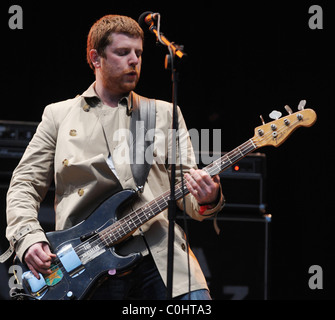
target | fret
x=227, y=157
x=136, y=218
x=240, y=151
x=128, y=223
x=139, y=218
x=218, y=166
x=233, y=157
x=103, y=238
x=107, y=237
x=179, y=190
x=150, y=213
x=117, y=234
x=120, y=230
x=236, y=154
x=159, y=206
x=253, y=144
x=214, y=168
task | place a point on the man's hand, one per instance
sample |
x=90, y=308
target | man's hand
x=38, y=258
x=202, y=186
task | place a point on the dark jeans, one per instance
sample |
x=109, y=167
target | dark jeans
x=142, y=283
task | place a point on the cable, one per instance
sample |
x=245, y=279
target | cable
x=16, y=295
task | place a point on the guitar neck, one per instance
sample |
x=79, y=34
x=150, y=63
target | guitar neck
x=124, y=227
x=230, y=158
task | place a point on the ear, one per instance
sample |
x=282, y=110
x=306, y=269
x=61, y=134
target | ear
x=95, y=58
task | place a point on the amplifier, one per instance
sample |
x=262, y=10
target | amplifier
x=235, y=262
x=243, y=184
x=14, y=138
x=16, y=133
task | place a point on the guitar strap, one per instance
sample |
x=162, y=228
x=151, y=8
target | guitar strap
x=141, y=144
x=141, y=139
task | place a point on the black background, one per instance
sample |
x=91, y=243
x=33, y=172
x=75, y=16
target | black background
x=243, y=60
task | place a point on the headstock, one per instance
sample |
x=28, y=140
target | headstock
x=276, y=132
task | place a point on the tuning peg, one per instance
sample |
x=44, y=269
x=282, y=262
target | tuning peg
x=275, y=115
x=262, y=119
x=301, y=105
x=288, y=109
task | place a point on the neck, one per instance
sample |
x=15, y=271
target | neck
x=108, y=97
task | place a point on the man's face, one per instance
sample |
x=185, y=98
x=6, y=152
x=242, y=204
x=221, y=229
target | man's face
x=120, y=70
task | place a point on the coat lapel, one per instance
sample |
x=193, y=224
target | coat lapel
x=114, y=123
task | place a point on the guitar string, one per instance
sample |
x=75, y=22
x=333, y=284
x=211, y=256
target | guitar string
x=220, y=163
x=232, y=157
x=117, y=229
x=118, y=225
x=153, y=205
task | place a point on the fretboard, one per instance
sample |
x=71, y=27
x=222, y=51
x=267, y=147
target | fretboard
x=127, y=225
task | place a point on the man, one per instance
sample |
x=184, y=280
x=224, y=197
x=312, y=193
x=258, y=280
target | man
x=78, y=144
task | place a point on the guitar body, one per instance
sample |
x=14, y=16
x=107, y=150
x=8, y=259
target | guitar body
x=95, y=262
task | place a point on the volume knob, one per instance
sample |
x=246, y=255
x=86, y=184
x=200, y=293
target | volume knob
x=70, y=295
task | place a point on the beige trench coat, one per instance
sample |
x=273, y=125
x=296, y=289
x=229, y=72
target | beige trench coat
x=71, y=145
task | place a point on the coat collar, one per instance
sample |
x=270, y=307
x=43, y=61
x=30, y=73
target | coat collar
x=93, y=100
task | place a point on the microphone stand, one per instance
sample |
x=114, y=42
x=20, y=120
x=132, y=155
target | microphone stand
x=170, y=63
x=172, y=206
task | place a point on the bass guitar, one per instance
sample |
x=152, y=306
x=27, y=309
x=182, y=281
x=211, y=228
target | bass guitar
x=86, y=252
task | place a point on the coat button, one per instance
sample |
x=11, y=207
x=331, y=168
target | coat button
x=73, y=133
x=81, y=192
x=183, y=246
x=86, y=108
x=65, y=162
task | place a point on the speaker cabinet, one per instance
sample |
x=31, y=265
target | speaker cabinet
x=235, y=262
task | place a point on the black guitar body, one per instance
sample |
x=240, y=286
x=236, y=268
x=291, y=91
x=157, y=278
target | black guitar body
x=79, y=282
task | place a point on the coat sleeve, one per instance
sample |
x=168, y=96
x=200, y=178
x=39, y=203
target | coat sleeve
x=185, y=155
x=29, y=184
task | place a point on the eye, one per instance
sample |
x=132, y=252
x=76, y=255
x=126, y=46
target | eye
x=138, y=53
x=122, y=52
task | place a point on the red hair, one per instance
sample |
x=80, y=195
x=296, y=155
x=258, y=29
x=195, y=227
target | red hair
x=101, y=33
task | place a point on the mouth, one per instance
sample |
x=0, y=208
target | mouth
x=131, y=73
x=131, y=76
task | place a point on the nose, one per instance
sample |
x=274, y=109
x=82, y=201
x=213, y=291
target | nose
x=133, y=59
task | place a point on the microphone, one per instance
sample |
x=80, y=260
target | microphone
x=147, y=18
